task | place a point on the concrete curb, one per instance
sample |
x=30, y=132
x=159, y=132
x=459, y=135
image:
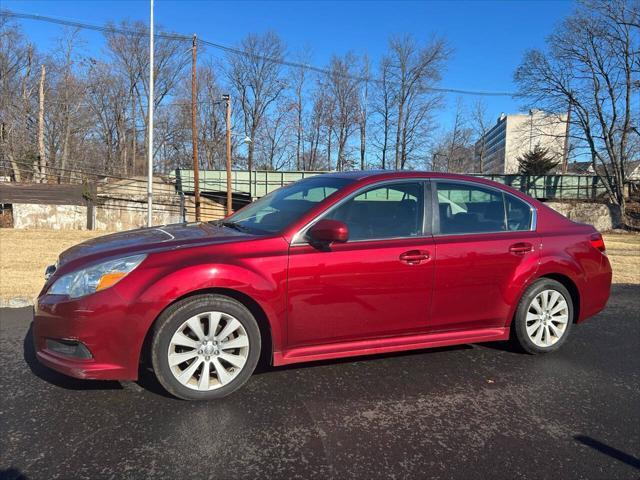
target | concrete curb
x=17, y=302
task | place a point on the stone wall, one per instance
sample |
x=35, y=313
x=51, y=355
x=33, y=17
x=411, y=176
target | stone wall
x=121, y=215
x=111, y=214
x=56, y=217
x=602, y=216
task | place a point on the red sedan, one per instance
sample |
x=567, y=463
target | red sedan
x=335, y=265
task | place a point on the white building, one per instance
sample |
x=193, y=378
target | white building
x=498, y=150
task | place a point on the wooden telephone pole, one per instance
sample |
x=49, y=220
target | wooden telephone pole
x=565, y=151
x=227, y=100
x=194, y=128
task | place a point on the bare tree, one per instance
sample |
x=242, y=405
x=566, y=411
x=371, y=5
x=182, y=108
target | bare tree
x=383, y=109
x=256, y=76
x=316, y=125
x=66, y=122
x=591, y=64
x=343, y=87
x=481, y=124
x=453, y=152
x=107, y=99
x=95, y=110
x=299, y=77
x=414, y=69
x=15, y=84
x=274, y=141
x=131, y=55
x=363, y=104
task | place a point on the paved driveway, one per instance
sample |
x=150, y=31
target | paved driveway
x=480, y=411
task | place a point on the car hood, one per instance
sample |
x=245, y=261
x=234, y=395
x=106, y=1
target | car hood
x=150, y=239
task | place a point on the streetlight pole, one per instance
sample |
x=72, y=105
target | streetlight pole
x=227, y=100
x=150, y=123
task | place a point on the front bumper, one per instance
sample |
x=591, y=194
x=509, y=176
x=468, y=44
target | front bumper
x=112, y=331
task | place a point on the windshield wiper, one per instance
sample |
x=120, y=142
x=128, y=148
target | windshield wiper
x=235, y=225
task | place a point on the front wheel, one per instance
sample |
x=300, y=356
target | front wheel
x=205, y=347
x=544, y=317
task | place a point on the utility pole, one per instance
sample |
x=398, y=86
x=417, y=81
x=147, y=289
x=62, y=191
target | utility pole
x=227, y=100
x=194, y=128
x=150, y=123
x=40, y=163
x=565, y=153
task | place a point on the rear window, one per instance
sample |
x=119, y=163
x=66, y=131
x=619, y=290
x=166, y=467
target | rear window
x=465, y=208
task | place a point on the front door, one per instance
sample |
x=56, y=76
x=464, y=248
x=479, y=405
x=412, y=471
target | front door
x=376, y=284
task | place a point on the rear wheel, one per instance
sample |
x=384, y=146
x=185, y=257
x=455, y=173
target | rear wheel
x=205, y=347
x=544, y=317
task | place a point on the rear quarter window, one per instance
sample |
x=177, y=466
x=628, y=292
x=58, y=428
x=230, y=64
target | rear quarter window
x=518, y=214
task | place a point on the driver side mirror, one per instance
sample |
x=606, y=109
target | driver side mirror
x=328, y=231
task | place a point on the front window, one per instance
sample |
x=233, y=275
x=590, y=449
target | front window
x=388, y=211
x=280, y=208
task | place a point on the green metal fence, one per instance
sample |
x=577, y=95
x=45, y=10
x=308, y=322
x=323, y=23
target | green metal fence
x=554, y=187
x=256, y=185
x=259, y=183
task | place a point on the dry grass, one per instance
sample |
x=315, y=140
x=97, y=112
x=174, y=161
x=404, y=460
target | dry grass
x=624, y=253
x=24, y=254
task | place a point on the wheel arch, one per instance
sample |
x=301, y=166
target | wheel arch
x=267, y=347
x=570, y=285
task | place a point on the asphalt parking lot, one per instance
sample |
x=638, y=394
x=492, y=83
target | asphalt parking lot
x=475, y=411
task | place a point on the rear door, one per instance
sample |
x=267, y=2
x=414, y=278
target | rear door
x=486, y=248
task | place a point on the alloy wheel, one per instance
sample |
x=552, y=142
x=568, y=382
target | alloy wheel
x=547, y=318
x=208, y=351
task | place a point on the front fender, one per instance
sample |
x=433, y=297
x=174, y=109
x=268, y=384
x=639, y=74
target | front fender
x=157, y=286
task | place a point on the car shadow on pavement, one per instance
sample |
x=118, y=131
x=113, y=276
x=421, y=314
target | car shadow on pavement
x=56, y=378
x=12, y=474
x=608, y=450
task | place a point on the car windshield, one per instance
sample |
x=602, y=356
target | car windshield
x=275, y=211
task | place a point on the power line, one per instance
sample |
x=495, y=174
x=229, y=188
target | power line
x=235, y=51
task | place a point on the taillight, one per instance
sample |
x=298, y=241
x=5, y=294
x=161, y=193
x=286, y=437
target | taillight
x=597, y=242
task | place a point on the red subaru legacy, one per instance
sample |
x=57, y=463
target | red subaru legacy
x=332, y=266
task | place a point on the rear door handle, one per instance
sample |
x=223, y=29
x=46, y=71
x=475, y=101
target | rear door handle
x=521, y=248
x=414, y=257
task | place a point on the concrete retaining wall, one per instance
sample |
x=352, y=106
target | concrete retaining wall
x=603, y=217
x=55, y=217
x=111, y=214
x=121, y=215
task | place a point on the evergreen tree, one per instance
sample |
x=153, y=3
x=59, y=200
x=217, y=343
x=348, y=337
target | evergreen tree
x=537, y=162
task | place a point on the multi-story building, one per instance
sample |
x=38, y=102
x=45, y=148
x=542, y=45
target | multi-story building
x=513, y=135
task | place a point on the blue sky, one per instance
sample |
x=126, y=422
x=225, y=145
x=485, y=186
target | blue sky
x=488, y=37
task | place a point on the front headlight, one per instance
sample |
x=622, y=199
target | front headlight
x=95, y=278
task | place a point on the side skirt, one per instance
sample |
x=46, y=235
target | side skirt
x=384, y=345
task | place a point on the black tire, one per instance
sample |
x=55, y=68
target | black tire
x=519, y=326
x=174, y=316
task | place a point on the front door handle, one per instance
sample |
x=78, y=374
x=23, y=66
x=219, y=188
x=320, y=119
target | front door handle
x=521, y=248
x=414, y=257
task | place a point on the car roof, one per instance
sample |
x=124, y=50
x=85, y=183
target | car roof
x=390, y=174
x=371, y=176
